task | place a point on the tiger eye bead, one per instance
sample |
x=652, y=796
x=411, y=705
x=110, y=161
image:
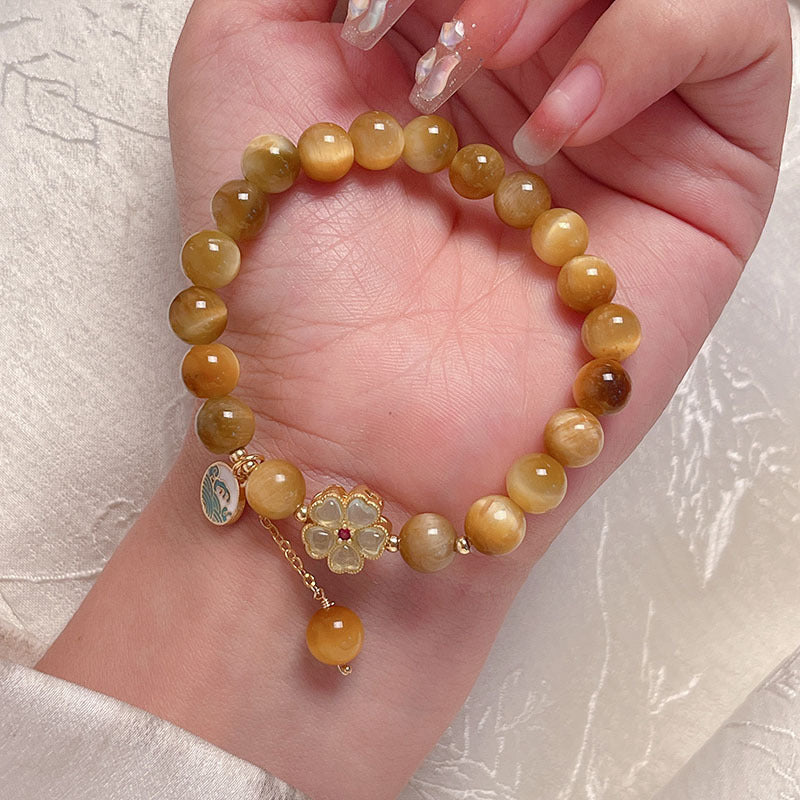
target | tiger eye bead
x=611, y=331
x=225, y=424
x=574, y=437
x=275, y=489
x=271, y=162
x=240, y=209
x=431, y=143
x=335, y=635
x=476, y=171
x=428, y=542
x=378, y=139
x=197, y=315
x=210, y=370
x=602, y=387
x=326, y=152
x=520, y=198
x=536, y=483
x=559, y=235
x=210, y=259
x=495, y=525
x=586, y=282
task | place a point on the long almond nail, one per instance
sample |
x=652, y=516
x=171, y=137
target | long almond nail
x=368, y=20
x=445, y=68
x=562, y=111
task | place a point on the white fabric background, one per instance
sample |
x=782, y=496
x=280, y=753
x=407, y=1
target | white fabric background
x=664, y=603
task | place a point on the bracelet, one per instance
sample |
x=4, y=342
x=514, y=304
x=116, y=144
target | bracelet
x=347, y=528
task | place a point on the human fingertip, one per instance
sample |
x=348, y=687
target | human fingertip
x=564, y=109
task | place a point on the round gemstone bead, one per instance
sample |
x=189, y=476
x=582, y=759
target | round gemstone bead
x=326, y=152
x=611, y=331
x=335, y=635
x=210, y=259
x=574, y=437
x=275, y=489
x=602, y=387
x=428, y=542
x=476, y=171
x=225, y=424
x=198, y=315
x=520, y=198
x=431, y=143
x=495, y=525
x=586, y=282
x=271, y=162
x=240, y=209
x=559, y=235
x=536, y=483
x=378, y=139
x=210, y=370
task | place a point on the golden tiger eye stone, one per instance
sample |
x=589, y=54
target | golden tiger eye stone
x=495, y=525
x=326, y=152
x=536, y=483
x=559, y=235
x=602, y=387
x=428, y=542
x=476, y=171
x=586, y=282
x=197, y=315
x=225, y=424
x=520, y=198
x=431, y=143
x=611, y=331
x=271, y=162
x=275, y=489
x=378, y=139
x=335, y=635
x=210, y=370
x=210, y=259
x=574, y=437
x=240, y=209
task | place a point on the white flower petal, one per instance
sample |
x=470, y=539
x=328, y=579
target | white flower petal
x=361, y=514
x=345, y=558
x=327, y=512
x=370, y=541
x=318, y=541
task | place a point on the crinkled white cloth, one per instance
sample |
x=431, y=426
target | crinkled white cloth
x=664, y=603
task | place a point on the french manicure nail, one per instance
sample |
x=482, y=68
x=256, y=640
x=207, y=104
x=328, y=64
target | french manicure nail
x=368, y=20
x=562, y=111
x=445, y=68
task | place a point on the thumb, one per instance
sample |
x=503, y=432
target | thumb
x=635, y=54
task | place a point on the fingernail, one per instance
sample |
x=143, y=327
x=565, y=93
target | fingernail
x=562, y=111
x=368, y=20
x=445, y=68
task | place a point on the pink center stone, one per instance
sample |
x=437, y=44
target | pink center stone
x=344, y=533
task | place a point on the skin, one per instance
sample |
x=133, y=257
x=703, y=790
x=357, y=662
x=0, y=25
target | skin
x=395, y=334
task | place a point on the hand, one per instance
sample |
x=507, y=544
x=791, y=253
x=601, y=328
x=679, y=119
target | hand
x=395, y=334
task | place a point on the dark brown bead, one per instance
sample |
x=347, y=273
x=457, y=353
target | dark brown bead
x=602, y=387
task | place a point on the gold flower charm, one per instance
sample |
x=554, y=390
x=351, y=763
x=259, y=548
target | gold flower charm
x=346, y=528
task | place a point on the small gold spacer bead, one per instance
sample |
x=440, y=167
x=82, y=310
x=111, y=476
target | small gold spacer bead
x=393, y=543
x=301, y=514
x=462, y=545
x=345, y=669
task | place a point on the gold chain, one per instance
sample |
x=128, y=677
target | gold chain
x=296, y=563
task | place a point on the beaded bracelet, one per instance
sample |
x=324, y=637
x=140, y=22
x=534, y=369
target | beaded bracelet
x=347, y=528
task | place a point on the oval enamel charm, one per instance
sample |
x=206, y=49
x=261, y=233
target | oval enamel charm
x=221, y=496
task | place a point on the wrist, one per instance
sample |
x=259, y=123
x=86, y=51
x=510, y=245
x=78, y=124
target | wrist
x=200, y=626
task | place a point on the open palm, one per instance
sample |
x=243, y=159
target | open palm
x=393, y=333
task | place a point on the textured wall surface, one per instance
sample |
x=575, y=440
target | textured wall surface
x=660, y=608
